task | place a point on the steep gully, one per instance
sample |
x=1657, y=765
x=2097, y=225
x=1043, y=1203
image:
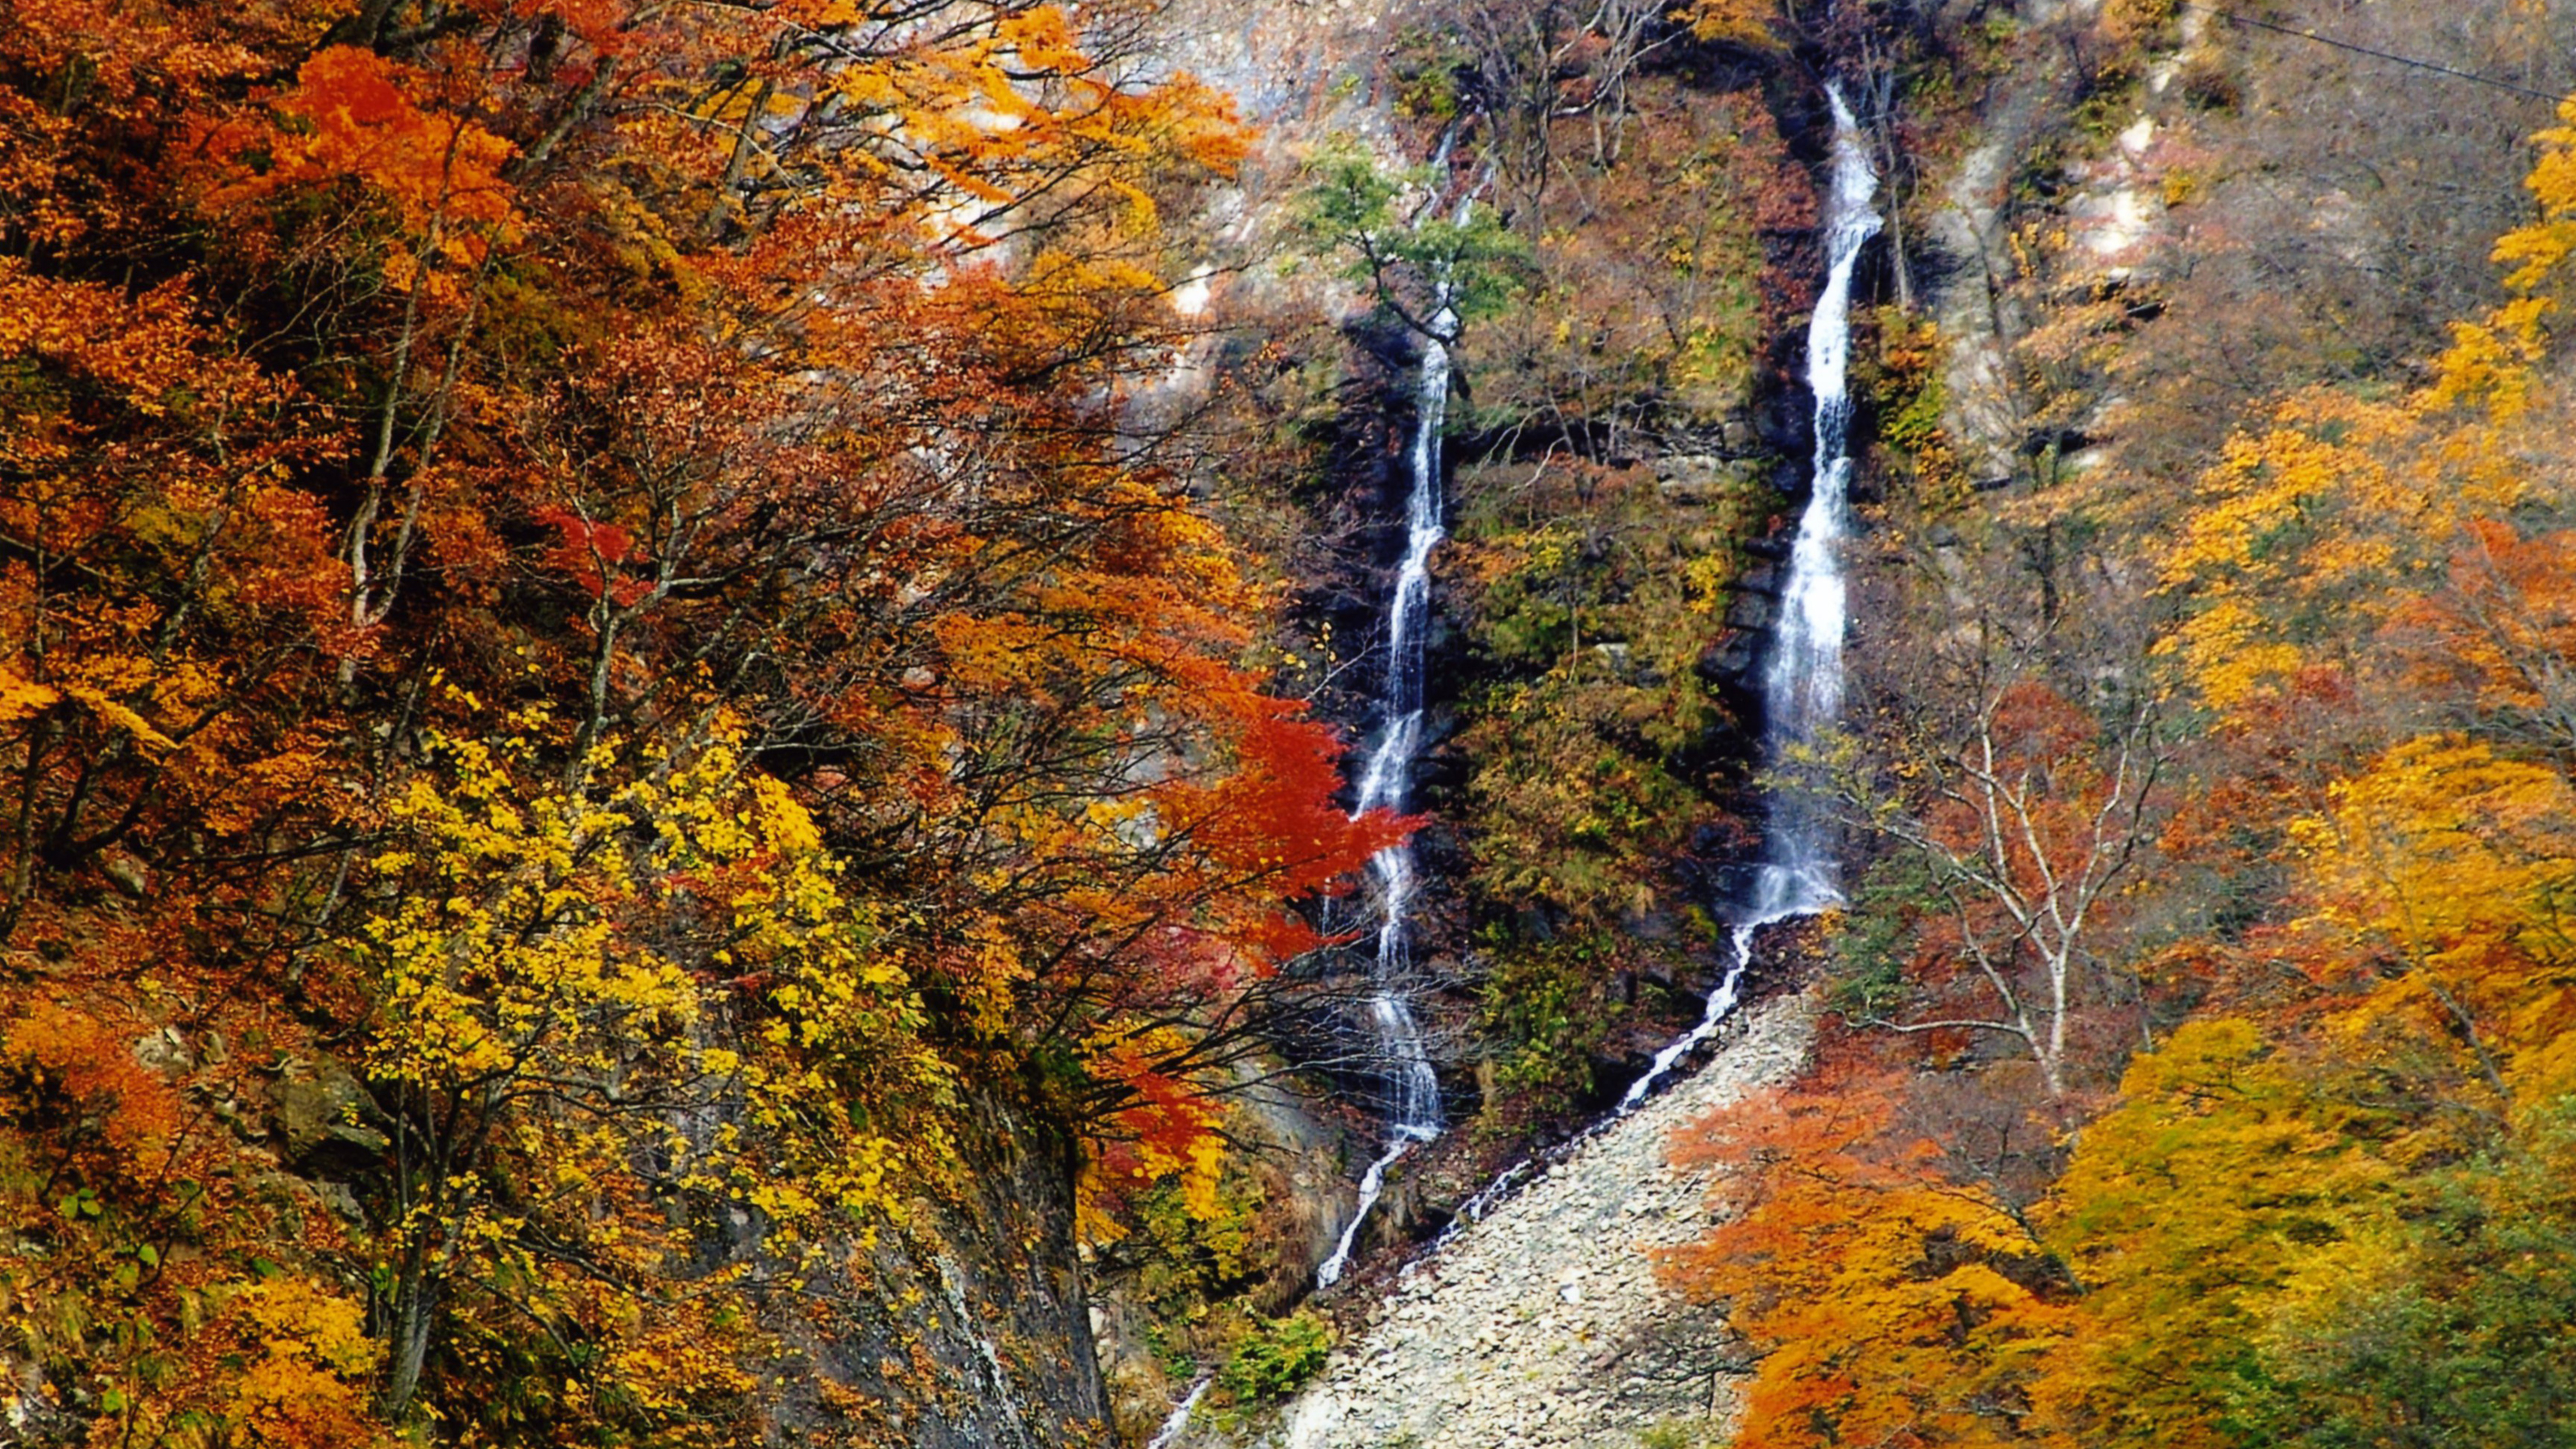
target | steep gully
x=1802, y=685
x=1413, y=1108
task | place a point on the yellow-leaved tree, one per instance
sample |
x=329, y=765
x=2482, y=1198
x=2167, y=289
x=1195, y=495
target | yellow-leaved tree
x=2450, y=869
x=2202, y=1193
x=602, y=1015
x=2332, y=1226
x=1755, y=23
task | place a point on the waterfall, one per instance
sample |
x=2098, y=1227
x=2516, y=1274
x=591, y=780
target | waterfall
x=1413, y=1113
x=1721, y=1003
x=1802, y=680
x=1802, y=685
x=1178, y=1423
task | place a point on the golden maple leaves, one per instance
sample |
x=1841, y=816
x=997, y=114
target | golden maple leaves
x=1892, y=1305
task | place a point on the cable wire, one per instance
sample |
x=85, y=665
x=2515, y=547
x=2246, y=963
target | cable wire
x=2466, y=75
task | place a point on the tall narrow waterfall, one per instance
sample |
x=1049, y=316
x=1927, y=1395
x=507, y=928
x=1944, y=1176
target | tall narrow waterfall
x=1413, y=1112
x=1802, y=680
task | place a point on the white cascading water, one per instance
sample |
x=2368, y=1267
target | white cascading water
x=1802, y=683
x=1178, y=1422
x=1413, y=1113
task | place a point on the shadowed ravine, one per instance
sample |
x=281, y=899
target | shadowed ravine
x=1540, y=1320
x=1413, y=1110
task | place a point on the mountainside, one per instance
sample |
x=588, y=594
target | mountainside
x=1323, y=722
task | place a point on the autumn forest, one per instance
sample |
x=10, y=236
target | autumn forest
x=697, y=705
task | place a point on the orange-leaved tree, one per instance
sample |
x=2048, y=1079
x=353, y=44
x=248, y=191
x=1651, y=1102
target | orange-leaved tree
x=1885, y=1301
x=572, y=573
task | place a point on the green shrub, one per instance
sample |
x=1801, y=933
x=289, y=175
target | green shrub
x=1544, y=1010
x=1279, y=1356
x=1675, y=1434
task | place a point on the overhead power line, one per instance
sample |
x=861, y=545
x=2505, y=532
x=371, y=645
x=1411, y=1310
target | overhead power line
x=2467, y=75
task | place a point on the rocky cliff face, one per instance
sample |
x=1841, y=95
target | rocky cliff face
x=1622, y=434
x=966, y=1327
x=2062, y=178
x=2114, y=225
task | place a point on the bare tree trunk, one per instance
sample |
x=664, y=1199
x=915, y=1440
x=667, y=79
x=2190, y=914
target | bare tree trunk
x=415, y=1311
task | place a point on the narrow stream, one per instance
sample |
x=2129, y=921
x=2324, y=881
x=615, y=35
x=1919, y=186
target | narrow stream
x=1802, y=679
x=1413, y=1108
x=1178, y=1422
